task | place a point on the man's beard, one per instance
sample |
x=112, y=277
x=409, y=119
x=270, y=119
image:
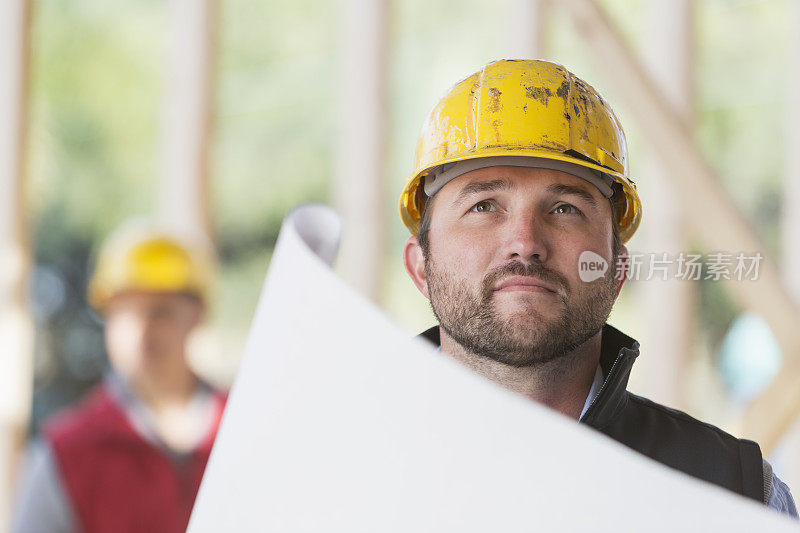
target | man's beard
x=529, y=338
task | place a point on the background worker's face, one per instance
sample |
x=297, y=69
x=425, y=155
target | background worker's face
x=514, y=226
x=146, y=333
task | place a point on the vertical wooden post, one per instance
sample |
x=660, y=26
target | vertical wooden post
x=359, y=191
x=183, y=196
x=16, y=328
x=668, y=305
x=529, y=29
x=791, y=215
x=790, y=224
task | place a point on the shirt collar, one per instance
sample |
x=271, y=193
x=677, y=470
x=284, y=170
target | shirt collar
x=142, y=418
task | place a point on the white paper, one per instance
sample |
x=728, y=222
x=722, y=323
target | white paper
x=339, y=421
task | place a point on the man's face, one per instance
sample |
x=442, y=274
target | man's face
x=147, y=332
x=502, y=269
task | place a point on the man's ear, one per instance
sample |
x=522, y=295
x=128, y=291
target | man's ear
x=622, y=267
x=415, y=265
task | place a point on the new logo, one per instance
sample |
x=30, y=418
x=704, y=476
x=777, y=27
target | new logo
x=591, y=266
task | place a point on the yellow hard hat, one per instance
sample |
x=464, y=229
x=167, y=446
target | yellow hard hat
x=141, y=257
x=515, y=109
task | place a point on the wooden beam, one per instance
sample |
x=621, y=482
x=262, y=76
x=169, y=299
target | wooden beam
x=528, y=36
x=16, y=327
x=183, y=197
x=711, y=212
x=781, y=401
x=790, y=222
x=359, y=189
x=668, y=306
x=789, y=447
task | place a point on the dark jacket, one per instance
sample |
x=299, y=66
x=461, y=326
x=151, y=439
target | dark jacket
x=671, y=437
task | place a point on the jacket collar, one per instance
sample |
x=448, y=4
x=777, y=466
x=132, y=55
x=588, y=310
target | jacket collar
x=617, y=354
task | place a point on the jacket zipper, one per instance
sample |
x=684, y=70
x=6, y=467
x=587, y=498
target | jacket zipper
x=605, y=383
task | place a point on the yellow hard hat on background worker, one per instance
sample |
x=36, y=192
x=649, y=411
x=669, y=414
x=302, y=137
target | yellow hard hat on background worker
x=142, y=257
x=523, y=113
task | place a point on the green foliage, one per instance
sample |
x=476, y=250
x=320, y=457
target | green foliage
x=96, y=81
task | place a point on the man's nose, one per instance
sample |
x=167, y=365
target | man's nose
x=525, y=239
x=149, y=324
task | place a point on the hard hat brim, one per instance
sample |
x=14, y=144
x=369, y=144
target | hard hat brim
x=627, y=220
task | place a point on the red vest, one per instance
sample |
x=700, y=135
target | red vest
x=116, y=480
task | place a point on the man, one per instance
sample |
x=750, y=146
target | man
x=131, y=456
x=521, y=179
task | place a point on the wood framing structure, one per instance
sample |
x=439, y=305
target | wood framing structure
x=16, y=327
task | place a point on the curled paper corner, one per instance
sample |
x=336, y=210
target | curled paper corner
x=319, y=227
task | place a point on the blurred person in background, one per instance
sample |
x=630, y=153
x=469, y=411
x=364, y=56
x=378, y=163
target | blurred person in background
x=519, y=208
x=131, y=455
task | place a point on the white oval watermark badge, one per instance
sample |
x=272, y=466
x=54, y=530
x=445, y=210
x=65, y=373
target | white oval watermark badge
x=591, y=266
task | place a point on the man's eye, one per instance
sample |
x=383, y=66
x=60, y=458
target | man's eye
x=483, y=207
x=567, y=208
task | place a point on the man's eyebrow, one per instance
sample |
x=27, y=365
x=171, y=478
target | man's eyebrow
x=560, y=188
x=481, y=186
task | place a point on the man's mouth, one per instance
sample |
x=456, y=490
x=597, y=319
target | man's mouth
x=524, y=283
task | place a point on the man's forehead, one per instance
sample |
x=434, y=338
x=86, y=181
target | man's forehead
x=148, y=299
x=510, y=177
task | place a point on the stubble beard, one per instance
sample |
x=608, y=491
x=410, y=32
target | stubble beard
x=529, y=337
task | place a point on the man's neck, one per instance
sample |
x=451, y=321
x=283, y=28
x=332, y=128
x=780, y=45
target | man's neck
x=173, y=410
x=165, y=391
x=562, y=384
